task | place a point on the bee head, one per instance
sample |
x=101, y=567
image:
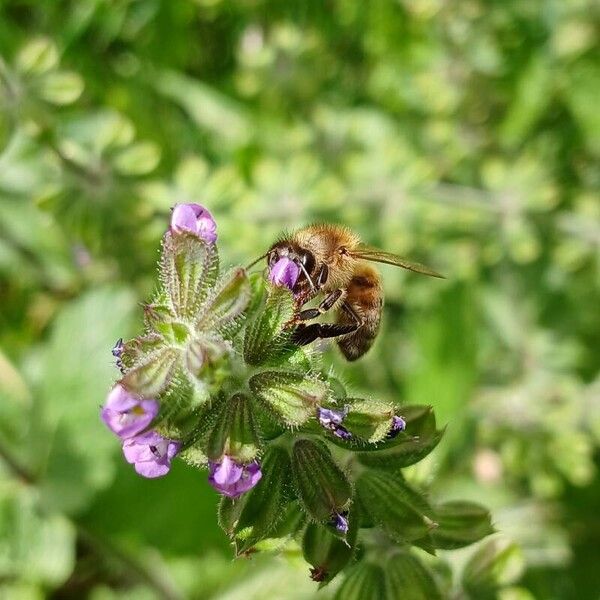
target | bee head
x=291, y=265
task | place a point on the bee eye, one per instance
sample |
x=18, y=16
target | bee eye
x=273, y=257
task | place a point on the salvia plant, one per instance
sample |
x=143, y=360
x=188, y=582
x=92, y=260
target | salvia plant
x=216, y=381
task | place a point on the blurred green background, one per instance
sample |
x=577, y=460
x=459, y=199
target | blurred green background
x=465, y=134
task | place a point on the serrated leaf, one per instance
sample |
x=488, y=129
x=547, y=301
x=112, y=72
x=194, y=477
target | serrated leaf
x=407, y=578
x=322, y=486
x=188, y=270
x=292, y=397
x=266, y=504
x=138, y=159
x=460, y=524
x=366, y=581
x=235, y=432
x=387, y=502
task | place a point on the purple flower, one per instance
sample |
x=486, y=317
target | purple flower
x=398, y=425
x=150, y=453
x=127, y=414
x=194, y=218
x=340, y=522
x=332, y=419
x=284, y=273
x=231, y=478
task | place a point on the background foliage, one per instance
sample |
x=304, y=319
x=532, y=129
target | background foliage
x=462, y=133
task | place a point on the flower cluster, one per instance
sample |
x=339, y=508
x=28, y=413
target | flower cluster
x=217, y=381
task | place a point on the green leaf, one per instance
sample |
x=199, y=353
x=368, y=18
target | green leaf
x=322, y=486
x=235, y=432
x=153, y=375
x=38, y=56
x=266, y=504
x=74, y=449
x=61, y=87
x=497, y=563
x=188, y=271
x=392, y=506
x=407, y=578
x=292, y=397
x=366, y=581
x=138, y=159
x=460, y=524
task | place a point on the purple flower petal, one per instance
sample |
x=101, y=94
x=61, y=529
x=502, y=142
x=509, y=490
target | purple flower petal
x=150, y=453
x=340, y=522
x=284, y=273
x=195, y=219
x=126, y=414
x=233, y=479
x=332, y=419
x=398, y=425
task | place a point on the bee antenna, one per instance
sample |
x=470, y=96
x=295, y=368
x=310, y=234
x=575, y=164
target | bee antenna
x=257, y=260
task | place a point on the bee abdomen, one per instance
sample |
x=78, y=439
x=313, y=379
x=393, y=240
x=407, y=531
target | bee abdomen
x=364, y=297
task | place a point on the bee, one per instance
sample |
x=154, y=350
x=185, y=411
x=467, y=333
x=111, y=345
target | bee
x=330, y=260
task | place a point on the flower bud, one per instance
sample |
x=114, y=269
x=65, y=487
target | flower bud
x=265, y=339
x=195, y=219
x=229, y=301
x=369, y=420
x=387, y=503
x=188, y=270
x=235, y=433
x=366, y=581
x=151, y=377
x=293, y=397
x=322, y=486
x=405, y=572
x=460, y=524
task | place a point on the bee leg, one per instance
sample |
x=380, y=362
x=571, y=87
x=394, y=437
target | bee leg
x=305, y=334
x=313, y=313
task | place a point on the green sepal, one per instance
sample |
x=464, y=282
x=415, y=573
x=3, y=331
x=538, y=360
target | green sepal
x=496, y=563
x=292, y=396
x=366, y=581
x=326, y=552
x=265, y=338
x=188, y=270
x=402, y=451
x=368, y=420
x=153, y=375
x=459, y=524
x=229, y=301
x=322, y=486
x=265, y=504
x=235, y=432
x=393, y=506
x=407, y=578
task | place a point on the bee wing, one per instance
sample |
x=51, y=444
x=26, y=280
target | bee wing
x=380, y=256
